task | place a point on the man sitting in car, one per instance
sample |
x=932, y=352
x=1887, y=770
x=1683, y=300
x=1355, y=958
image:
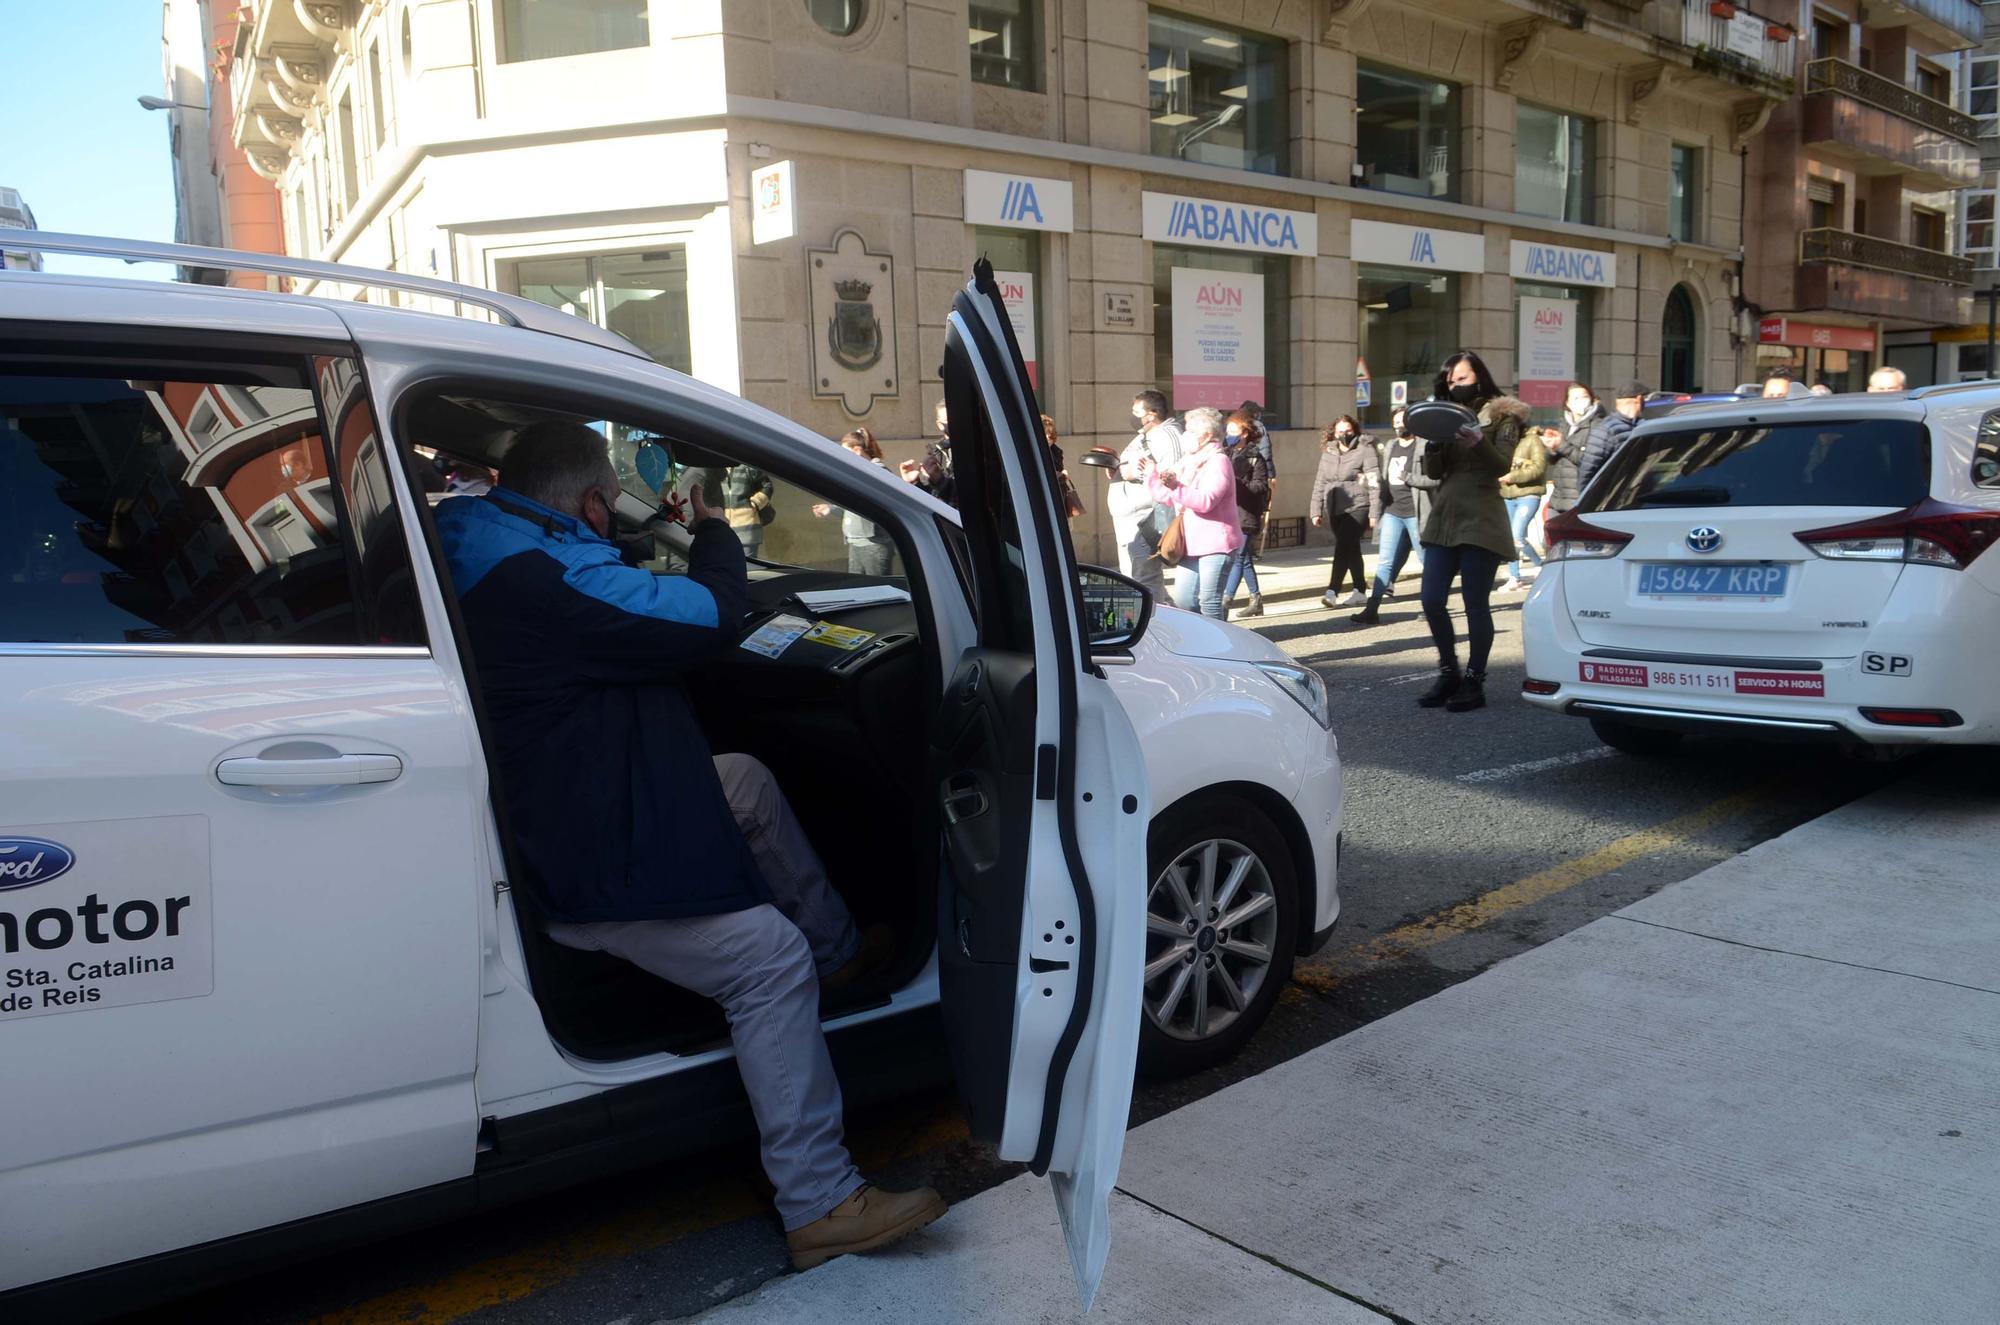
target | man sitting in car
x=694, y=868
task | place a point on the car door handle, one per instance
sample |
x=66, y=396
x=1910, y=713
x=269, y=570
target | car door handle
x=331, y=771
x=962, y=801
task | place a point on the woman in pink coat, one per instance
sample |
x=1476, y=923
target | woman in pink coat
x=1202, y=489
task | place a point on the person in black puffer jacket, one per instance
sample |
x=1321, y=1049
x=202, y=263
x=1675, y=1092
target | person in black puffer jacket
x=1567, y=443
x=1608, y=433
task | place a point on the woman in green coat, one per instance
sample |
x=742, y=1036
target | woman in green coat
x=1467, y=535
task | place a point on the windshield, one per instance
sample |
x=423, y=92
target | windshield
x=1854, y=462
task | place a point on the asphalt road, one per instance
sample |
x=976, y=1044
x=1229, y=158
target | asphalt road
x=1469, y=838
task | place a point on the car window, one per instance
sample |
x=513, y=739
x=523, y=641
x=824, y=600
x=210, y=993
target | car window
x=210, y=509
x=1856, y=462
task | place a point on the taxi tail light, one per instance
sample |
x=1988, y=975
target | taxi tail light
x=1912, y=717
x=1570, y=538
x=1931, y=533
x=1533, y=687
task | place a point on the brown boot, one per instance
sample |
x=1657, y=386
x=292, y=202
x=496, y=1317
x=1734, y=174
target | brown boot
x=868, y=1219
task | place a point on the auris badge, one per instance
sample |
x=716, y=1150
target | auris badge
x=1704, y=538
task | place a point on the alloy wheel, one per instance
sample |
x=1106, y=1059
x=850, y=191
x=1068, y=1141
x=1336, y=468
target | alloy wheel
x=1211, y=922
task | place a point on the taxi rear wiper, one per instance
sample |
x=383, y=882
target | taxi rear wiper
x=1687, y=497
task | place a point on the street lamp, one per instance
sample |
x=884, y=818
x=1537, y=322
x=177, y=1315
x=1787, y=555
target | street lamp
x=164, y=103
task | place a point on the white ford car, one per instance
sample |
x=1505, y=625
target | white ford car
x=270, y=974
x=1812, y=570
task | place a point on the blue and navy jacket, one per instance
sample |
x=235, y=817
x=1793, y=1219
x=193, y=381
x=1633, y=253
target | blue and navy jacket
x=610, y=792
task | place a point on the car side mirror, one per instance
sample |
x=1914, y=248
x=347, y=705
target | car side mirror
x=1116, y=611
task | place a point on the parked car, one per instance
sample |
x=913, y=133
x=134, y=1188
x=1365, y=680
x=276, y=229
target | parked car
x=1818, y=570
x=279, y=973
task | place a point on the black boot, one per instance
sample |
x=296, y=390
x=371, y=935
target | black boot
x=1369, y=615
x=1471, y=694
x=1447, y=685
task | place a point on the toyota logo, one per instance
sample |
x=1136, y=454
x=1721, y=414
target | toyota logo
x=1705, y=538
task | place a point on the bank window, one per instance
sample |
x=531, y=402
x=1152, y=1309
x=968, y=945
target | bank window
x=641, y=296
x=1409, y=323
x=1553, y=349
x=1016, y=256
x=1004, y=43
x=1684, y=196
x=547, y=29
x=1555, y=161
x=1982, y=94
x=1978, y=239
x=136, y=510
x=1219, y=365
x=1216, y=95
x=1406, y=133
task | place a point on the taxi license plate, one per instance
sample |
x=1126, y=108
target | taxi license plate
x=1681, y=579
x=1710, y=680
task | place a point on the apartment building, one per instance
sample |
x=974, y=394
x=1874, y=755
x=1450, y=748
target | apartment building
x=1855, y=184
x=1303, y=202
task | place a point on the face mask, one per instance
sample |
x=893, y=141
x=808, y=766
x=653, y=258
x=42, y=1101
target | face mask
x=1402, y=431
x=1235, y=438
x=1344, y=438
x=1464, y=393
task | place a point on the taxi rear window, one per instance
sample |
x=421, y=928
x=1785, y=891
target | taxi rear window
x=1825, y=462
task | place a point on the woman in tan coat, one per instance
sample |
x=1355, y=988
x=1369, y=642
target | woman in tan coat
x=1467, y=535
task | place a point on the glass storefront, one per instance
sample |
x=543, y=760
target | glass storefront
x=1409, y=323
x=1216, y=95
x=1406, y=133
x=1843, y=370
x=1547, y=399
x=1277, y=293
x=1555, y=164
x=1018, y=254
x=641, y=296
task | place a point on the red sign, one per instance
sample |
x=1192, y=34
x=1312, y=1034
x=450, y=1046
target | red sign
x=1814, y=335
x=1780, y=683
x=1612, y=674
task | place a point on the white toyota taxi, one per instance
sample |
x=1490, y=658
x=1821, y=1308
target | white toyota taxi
x=270, y=974
x=1810, y=570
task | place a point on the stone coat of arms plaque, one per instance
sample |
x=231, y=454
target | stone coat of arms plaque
x=853, y=301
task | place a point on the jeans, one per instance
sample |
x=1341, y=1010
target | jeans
x=1242, y=569
x=1474, y=568
x=1521, y=514
x=763, y=965
x=1395, y=540
x=1137, y=562
x=1198, y=586
x=1347, y=560
x=876, y=556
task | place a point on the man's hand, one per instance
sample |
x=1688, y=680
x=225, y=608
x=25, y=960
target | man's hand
x=1318, y=520
x=699, y=510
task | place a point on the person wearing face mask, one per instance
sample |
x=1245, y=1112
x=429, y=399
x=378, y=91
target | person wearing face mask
x=1405, y=501
x=1467, y=535
x=1136, y=519
x=1253, y=499
x=1347, y=497
x=1202, y=490
x=1609, y=432
x=1566, y=443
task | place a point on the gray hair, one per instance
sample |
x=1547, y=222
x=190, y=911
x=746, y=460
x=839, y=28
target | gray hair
x=1202, y=420
x=558, y=462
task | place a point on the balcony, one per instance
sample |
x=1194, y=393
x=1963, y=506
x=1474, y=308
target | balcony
x=1740, y=48
x=1954, y=24
x=1840, y=271
x=1876, y=126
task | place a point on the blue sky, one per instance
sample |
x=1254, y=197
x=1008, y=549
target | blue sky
x=83, y=154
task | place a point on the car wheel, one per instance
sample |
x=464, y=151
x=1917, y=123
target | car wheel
x=1222, y=920
x=1647, y=741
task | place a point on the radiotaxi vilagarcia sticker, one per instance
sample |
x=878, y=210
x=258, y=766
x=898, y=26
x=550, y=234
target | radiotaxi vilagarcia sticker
x=104, y=913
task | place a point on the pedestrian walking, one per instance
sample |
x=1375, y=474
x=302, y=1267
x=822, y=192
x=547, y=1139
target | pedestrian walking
x=1467, y=535
x=1609, y=432
x=1201, y=490
x=1566, y=443
x=932, y=472
x=1405, y=500
x=1137, y=520
x=1253, y=502
x=747, y=493
x=1346, y=497
x=1072, y=501
x=1523, y=487
x=1259, y=437
x=869, y=550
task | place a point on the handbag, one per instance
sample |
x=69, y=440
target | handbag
x=1173, y=541
x=1072, y=502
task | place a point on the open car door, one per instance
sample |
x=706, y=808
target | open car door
x=1041, y=918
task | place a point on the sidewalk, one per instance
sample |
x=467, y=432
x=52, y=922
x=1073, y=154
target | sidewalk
x=1768, y=1093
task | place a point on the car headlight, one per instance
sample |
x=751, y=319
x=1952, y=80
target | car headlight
x=1304, y=685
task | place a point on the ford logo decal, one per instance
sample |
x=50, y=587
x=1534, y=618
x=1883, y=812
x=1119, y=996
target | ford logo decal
x=1705, y=538
x=27, y=861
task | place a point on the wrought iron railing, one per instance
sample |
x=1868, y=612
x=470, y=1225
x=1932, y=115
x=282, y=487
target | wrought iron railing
x=1851, y=80
x=1852, y=250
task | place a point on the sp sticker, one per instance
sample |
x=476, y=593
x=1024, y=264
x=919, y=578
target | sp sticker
x=1886, y=664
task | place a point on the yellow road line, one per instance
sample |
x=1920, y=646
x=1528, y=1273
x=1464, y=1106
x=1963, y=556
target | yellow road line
x=1484, y=909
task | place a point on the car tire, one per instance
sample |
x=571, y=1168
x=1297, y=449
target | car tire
x=1191, y=1019
x=1648, y=742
